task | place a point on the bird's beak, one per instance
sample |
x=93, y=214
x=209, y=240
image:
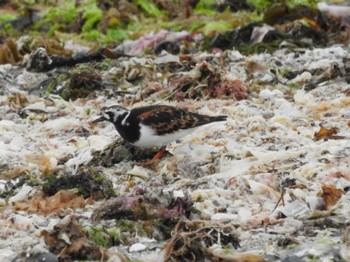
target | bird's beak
x=99, y=119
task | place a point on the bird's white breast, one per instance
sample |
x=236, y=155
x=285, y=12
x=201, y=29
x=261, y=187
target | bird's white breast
x=149, y=138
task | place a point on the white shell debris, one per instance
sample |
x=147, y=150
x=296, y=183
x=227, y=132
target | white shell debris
x=267, y=94
x=22, y=194
x=178, y=194
x=137, y=247
x=7, y=254
x=140, y=172
x=223, y=217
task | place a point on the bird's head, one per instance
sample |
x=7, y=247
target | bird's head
x=112, y=114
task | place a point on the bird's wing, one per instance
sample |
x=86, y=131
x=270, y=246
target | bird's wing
x=168, y=119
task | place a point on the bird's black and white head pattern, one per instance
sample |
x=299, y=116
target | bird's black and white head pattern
x=115, y=114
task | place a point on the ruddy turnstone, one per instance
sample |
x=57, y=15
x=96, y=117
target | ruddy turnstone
x=154, y=126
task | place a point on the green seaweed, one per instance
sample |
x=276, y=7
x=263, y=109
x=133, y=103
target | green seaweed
x=32, y=180
x=58, y=18
x=195, y=26
x=204, y=7
x=294, y=85
x=120, y=233
x=86, y=184
x=312, y=3
x=149, y=7
x=9, y=30
x=131, y=227
x=99, y=236
x=93, y=15
x=216, y=26
x=116, y=35
x=6, y=17
x=93, y=35
x=92, y=27
x=261, y=4
x=116, y=235
x=264, y=4
x=126, y=225
x=61, y=18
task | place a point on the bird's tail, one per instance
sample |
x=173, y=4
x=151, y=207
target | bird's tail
x=218, y=118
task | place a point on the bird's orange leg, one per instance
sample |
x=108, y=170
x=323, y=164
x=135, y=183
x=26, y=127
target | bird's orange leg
x=156, y=157
x=160, y=153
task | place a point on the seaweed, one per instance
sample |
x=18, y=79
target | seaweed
x=92, y=184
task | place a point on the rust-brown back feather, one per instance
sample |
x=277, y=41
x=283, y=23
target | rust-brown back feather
x=168, y=119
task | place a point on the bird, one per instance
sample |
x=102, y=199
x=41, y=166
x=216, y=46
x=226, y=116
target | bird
x=154, y=125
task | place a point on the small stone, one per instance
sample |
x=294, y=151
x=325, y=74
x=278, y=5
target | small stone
x=47, y=257
x=138, y=247
x=223, y=217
